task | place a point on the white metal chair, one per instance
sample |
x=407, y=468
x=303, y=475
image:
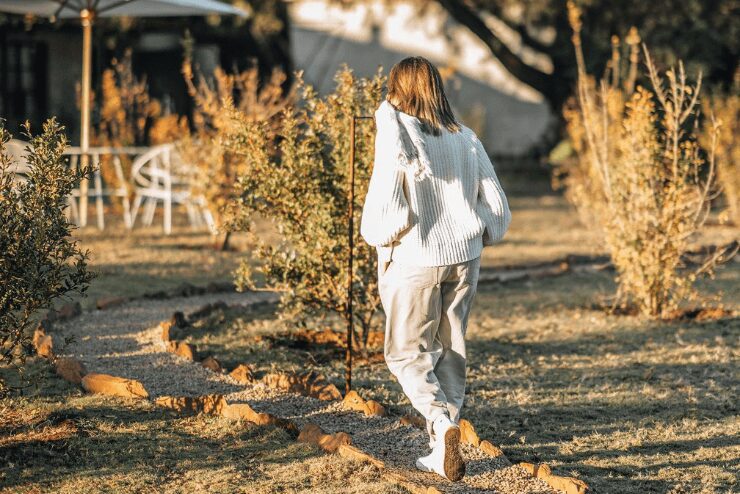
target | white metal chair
x=98, y=191
x=160, y=175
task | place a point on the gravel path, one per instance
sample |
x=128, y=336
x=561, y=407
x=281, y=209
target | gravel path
x=125, y=341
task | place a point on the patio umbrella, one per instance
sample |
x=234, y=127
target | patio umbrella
x=89, y=10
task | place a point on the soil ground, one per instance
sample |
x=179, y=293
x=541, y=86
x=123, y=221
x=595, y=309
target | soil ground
x=628, y=405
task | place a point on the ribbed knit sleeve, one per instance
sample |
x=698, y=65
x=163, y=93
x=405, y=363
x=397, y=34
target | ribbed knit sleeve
x=492, y=206
x=386, y=212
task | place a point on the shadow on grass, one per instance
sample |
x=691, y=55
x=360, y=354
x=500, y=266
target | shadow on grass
x=622, y=401
x=146, y=269
x=230, y=335
x=133, y=446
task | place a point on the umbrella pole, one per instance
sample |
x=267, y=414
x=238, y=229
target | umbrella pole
x=86, y=16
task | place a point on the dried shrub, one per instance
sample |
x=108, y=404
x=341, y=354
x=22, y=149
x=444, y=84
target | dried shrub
x=39, y=262
x=640, y=175
x=168, y=128
x=126, y=109
x=296, y=175
x=723, y=111
x=127, y=112
x=216, y=168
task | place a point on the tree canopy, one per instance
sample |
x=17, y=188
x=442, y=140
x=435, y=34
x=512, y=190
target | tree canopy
x=702, y=33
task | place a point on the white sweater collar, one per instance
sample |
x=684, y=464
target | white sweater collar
x=407, y=138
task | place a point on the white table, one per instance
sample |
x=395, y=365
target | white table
x=98, y=191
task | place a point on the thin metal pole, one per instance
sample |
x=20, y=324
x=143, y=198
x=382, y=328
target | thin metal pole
x=350, y=258
x=86, y=16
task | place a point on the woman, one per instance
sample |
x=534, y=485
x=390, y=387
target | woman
x=433, y=203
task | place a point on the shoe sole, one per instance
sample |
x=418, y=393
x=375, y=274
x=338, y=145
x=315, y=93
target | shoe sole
x=454, y=465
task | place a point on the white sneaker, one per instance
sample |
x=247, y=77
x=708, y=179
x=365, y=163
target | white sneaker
x=445, y=458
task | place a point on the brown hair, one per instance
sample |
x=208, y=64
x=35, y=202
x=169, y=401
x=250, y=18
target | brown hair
x=415, y=87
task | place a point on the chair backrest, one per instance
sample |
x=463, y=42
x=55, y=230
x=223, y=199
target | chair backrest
x=152, y=169
x=161, y=165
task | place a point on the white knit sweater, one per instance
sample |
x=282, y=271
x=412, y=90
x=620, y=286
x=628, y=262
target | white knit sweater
x=432, y=200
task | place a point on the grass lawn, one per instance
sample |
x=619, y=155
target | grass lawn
x=627, y=404
x=129, y=263
x=57, y=439
x=630, y=405
x=544, y=228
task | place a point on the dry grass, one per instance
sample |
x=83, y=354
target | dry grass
x=131, y=263
x=143, y=260
x=543, y=229
x=629, y=405
x=58, y=440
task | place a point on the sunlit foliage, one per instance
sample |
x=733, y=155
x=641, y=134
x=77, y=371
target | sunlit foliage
x=640, y=175
x=297, y=175
x=723, y=110
x=39, y=261
x=216, y=168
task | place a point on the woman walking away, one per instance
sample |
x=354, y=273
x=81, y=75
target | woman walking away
x=433, y=203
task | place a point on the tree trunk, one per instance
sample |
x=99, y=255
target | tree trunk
x=555, y=86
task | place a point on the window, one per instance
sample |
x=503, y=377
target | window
x=23, y=74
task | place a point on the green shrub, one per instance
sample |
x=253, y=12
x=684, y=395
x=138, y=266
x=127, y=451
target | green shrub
x=296, y=175
x=215, y=169
x=39, y=262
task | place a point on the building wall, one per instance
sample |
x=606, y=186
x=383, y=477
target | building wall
x=510, y=117
x=157, y=55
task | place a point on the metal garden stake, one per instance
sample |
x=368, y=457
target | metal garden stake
x=350, y=259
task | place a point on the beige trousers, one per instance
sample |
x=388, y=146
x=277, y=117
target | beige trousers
x=427, y=312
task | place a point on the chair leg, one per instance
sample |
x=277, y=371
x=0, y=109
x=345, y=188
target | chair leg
x=99, y=200
x=198, y=217
x=192, y=215
x=168, y=214
x=208, y=217
x=135, y=209
x=149, y=208
x=127, y=212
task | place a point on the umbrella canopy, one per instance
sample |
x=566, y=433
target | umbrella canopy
x=71, y=9
x=87, y=11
